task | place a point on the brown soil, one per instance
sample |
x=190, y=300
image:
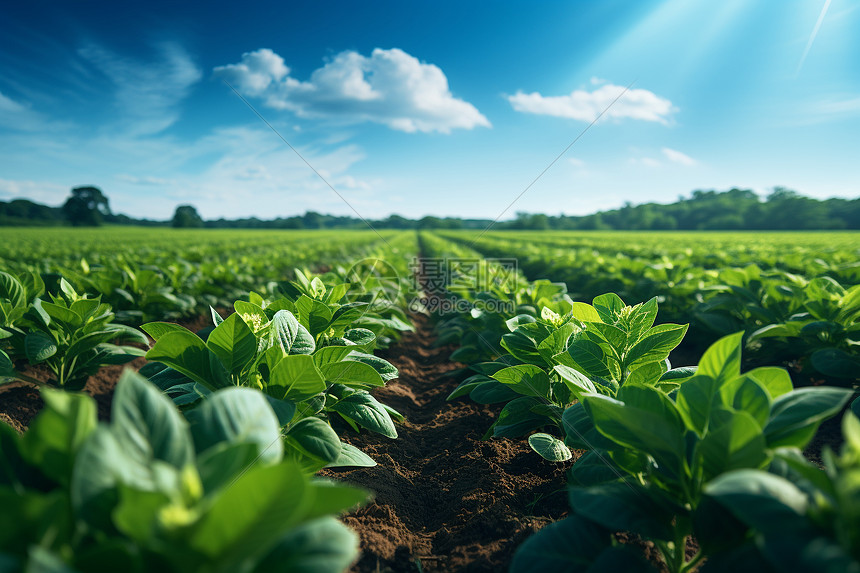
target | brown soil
x=444, y=499
x=20, y=401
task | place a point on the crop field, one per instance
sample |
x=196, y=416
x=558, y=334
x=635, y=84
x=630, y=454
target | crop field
x=255, y=401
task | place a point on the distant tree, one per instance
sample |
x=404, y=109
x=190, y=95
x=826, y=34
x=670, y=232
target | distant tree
x=86, y=207
x=186, y=216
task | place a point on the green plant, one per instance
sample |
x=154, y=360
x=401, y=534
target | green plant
x=652, y=454
x=798, y=516
x=149, y=492
x=303, y=354
x=72, y=336
x=553, y=360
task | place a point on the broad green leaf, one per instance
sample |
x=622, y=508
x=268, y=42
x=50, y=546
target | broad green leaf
x=795, y=416
x=722, y=360
x=385, y=368
x=58, y=431
x=350, y=456
x=147, y=425
x=525, y=379
x=235, y=415
x=323, y=546
x=158, y=329
x=775, y=380
x=186, y=352
x=649, y=423
x=590, y=357
x=695, y=400
x=575, y=545
x=39, y=347
x=295, y=378
x=351, y=373
x=233, y=342
x=517, y=418
x=576, y=381
x=734, y=441
x=252, y=513
x=366, y=411
x=292, y=337
x=584, y=312
x=759, y=499
x=623, y=506
x=608, y=307
x=745, y=394
x=549, y=447
x=836, y=363
x=656, y=345
x=315, y=438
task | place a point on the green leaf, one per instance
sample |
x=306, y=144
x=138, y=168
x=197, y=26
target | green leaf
x=695, y=400
x=292, y=337
x=584, y=312
x=235, y=415
x=549, y=447
x=624, y=506
x=323, y=546
x=745, y=394
x=186, y=352
x=251, y=514
x=253, y=315
x=722, y=360
x=147, y=425
x=657, y=344
x=295, y=378
x=646, y=420
x=608, y=307
x=775, y=380
x=733, y=442
x=366, y=411
x=233, y=342
x=158, y=329
x=576, y=381
x=385, y=368
x=759, y=499
x=39, y=347
x=58, y=432
x=517, y=418
x=836, y=363
x=525, y=379
x=351, y=373
x=575, y=545
x=795, y=416
x=315, y=438
x=590, y=357
x=6, y=366
x=350, y=456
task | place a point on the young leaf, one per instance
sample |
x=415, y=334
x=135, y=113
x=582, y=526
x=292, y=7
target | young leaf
x=233, y=342
x=549, y=447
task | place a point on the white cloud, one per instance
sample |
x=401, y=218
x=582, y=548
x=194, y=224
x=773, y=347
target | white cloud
x=147, y=93
x=389, y=87
x=21, y=117
x=38, y=191
x=148, y=180
x=585, y=105
x=576, y=162
x=256, y=72
x=678, y=157
x=645, y=161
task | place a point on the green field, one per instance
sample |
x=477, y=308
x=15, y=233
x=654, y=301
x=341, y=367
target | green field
x=585, y=344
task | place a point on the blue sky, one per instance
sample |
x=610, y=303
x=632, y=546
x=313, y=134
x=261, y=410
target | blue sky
x=443, y=108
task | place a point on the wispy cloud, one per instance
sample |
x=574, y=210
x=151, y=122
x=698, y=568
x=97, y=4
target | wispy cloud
x=583, y=105
x=22, y=117
x=147, y=94
x=39, y=191
x=389, y=87
x=677, y=157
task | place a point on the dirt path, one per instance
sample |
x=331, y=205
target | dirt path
x=445, y=500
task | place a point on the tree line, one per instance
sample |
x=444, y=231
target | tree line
x=735, y=209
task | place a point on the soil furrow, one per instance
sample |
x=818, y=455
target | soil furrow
x=444, y=499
